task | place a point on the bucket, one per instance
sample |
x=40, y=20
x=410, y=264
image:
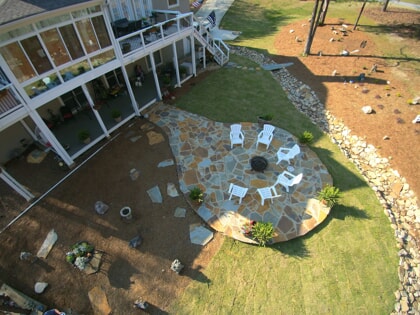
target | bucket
x=100, y=207
x=126, y=213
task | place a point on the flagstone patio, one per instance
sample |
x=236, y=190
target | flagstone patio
x=205, y=159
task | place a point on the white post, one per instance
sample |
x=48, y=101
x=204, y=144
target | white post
x=15, y=185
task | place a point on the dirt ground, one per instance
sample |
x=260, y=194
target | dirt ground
x=393, y=115
x=126, y=273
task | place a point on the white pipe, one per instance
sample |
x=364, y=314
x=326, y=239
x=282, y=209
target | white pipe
x=57, y=184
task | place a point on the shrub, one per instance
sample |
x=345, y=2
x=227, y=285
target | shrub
x=83, y=135
x=196, y=194
x=330, y=195
x=306, y=137
x=267, y=117
x=263, y=232
x=115, y=113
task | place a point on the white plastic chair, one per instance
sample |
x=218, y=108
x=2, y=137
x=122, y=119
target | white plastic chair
x=266, y=135
x=287, y=154
x=236, y=135
x=238, y=191
x=268, y=193
x=287, y=179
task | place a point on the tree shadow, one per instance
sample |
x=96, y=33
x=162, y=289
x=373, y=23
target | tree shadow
x=120, y=272
x=196, y=275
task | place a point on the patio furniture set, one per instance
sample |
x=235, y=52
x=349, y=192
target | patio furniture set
x=285, y=179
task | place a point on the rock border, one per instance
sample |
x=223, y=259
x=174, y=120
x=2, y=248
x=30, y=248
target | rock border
x=392, y=190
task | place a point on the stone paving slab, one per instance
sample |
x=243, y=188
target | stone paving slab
x=205, y=159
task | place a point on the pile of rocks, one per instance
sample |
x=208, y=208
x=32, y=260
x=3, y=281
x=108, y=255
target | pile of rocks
x=392, y=190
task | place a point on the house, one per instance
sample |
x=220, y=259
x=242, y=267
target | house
x=66, y=65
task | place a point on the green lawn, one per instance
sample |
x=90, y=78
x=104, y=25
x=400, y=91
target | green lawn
x=347, y=265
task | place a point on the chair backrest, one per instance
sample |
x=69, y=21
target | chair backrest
x=296, y=180
x=268, y=129
x=235, y=128
x=295, y=150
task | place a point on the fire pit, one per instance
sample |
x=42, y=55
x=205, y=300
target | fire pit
x=259, y=163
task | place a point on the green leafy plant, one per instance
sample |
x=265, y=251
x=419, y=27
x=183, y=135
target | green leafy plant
x=306, y=137
x=267, y=117
x=115, y=113
x=263, y=232
x=83, y=135
x=196, y=194
x=329, y=195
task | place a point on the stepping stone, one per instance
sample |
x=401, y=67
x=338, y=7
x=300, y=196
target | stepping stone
x=155, y=195
x=134, y=139
x=200, y=235
x=48, y=244
x=166, y=163
x=276, y=66
x=171, y=190
x=180, y=212
x=99, y=301
x=155, y=137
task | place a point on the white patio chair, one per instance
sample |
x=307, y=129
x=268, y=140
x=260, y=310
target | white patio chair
x=238, y=191
x=266, y=135
x=287, y=179
x=268, y=193
x=287, y=154
x=236, y=135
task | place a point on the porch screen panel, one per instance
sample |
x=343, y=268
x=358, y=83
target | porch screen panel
x=139, y=10
x=36, y=54
x=88, y=36
x=17, y=62
x=101, y=31
x=116, y=11
x=72, y=41
x=55, y=46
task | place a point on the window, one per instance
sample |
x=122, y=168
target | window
x=101, y=31
x=157, y=56
x=55, y=46
x=172, y=3
x=17, y=62
x=36, y=54
x=88, y=35
x=72, y=42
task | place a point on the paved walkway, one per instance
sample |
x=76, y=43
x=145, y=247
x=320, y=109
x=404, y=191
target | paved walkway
x=205, y=159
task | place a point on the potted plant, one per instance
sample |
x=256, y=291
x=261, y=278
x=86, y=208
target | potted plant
x=116, y=114
x=183, y=72
x=305, y=137
x=265, y=119
x=329, y=195
x=263, y=232
x=84, y=136
x=196, y=194
x=166, y=80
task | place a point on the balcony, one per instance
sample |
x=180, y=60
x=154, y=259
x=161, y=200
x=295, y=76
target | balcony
x=133, y=40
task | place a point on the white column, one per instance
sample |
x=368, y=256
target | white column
x=21, y=190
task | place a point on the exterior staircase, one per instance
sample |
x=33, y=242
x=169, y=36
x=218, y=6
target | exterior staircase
x=217, y=47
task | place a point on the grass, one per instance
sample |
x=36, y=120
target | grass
x=348, y=264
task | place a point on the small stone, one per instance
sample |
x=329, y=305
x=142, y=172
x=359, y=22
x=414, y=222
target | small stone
x=40, y=287
x=386, y=138
x=367, y=109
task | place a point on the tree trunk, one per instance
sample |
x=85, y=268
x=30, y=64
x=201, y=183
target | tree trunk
x=385, y=5
x=324, y=12
x=360, y=14
x=312, y=30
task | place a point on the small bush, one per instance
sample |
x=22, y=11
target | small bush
x=267, y=117
x=196, y=194
x=306, y=137
x=263, y=232
x=115, y=113
x=330, y=195
x=83, y=135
